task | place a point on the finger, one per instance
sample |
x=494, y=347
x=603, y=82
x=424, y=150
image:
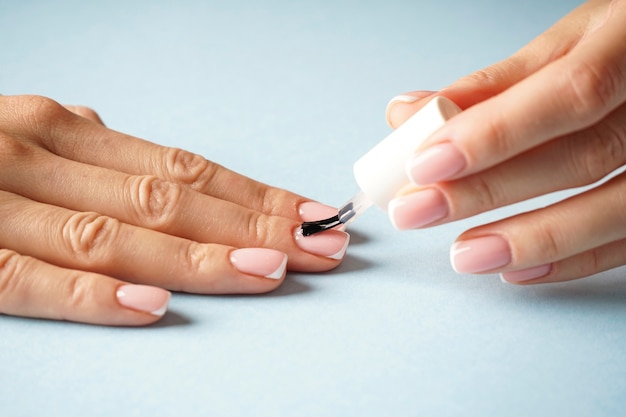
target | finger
x=571, y=161
x=576, y=225
x=152, y=203
x=74, y=138
x=603, y=258
x=97, y=243
x=85, y=112
x=494, y=79
x=32, y=288
x=570, y=94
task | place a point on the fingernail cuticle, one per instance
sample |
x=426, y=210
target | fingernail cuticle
x=332, y=243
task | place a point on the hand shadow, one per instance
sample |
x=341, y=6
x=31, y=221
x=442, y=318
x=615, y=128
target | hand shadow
x=602, y=290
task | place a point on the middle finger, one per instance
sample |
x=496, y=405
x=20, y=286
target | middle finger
x=571, y=161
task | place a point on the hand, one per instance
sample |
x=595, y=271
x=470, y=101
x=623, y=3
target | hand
x=550, y=117
x=83, y=207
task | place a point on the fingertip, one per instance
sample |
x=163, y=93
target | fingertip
x=403, y=106
x=143, y=298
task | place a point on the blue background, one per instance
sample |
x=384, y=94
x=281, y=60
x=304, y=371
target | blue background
x=292, y=93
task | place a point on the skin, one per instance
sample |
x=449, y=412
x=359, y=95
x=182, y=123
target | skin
x=550, y=117
x=83, y=206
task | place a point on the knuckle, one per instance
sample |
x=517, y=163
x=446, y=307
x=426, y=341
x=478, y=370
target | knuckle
x=603, y=154
x=79, y=291
x=498, y=141
x=548, y=238
x=272, y=198
x=194, y=259
x=591, y=89
x=155, y=201
x=88, y=236
x=189, y=169
x=38, y=111
x=485, y=195
x=259, y=228
x=11, y=264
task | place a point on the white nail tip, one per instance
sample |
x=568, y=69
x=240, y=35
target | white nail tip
x=342, y=251
x=159, y=312
x=391, y=209
x=403, y=98
x=278, y=273
x=503, y=280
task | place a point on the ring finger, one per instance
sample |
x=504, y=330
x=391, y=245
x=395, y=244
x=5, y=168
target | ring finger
x=92, y=242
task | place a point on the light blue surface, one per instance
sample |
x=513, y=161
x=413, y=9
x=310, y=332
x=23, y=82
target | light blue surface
x=291, y=93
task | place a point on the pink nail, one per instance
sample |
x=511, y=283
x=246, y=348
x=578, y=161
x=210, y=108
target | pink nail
x=480, y=254
x=526, y=274
x=331, y=243
x=437, y=163
x=311, y=211
x=262, y=262
x=144, y=298
x=417, y=209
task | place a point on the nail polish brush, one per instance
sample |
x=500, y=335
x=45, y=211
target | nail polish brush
x=381, y=172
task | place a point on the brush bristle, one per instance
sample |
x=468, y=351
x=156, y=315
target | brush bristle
x=311, y=228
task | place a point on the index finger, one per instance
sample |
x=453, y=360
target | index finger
x=567, y=95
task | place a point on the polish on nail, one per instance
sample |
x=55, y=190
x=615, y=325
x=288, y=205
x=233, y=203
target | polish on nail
x=332, y=243
x=480, y=254
x=143, y=298
x=262, y=262
x=417, y=209
x=437, y=163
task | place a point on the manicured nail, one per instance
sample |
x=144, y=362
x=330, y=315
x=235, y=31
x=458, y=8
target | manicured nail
x=435, y=164
x=311, y=211
x=526, y=274
x=331, y=243
x=262, y=262
x=404, y=98
x=144, y=298
x=418, y=209
x=480, y=255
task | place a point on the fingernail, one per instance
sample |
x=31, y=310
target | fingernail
x=417, y=209
x=480, y=254
x=435, y=164
x=144, y=298
x=526, y=274
x=331, y=243
x=404, y=98
x=310, y=211
x=262, y=262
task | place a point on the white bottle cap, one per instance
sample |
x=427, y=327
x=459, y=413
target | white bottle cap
x=381, y=172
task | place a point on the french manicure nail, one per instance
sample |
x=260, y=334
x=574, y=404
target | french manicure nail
x=310, y=211
x=262, y=262
x=404, y=98
x=435, y=164
x=144, y=298
x=480, y=254
x=526, y=274
x=331, y=243
x=418, y=209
